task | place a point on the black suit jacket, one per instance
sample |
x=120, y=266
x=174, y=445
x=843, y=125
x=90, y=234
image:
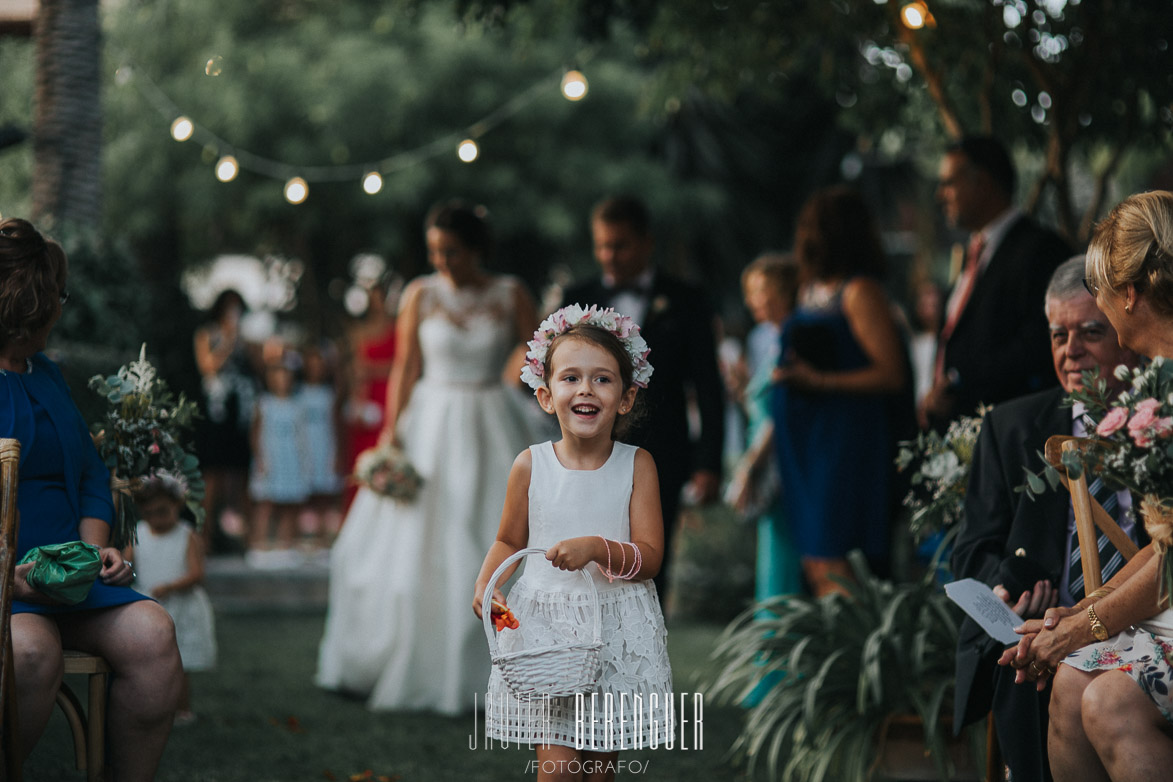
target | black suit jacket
x=678, y=328
x=1000, y=347
x=999, y=521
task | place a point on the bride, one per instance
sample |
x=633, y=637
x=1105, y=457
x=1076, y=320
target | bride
x=398, y=630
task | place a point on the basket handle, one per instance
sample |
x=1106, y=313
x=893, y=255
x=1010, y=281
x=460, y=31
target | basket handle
x=487, y=598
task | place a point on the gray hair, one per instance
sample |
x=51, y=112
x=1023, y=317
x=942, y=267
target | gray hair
x=1067, y=280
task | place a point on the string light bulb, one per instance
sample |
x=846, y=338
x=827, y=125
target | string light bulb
x=227, y=168
x=916, y=15
x=574, y=86
x=468, y=150
x=182, y=128
x=372, y=183
x=296, y=190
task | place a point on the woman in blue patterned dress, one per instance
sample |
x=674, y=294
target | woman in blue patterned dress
x=64, y=495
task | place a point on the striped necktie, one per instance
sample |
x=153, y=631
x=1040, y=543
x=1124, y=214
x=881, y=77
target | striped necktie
x=1111, y=560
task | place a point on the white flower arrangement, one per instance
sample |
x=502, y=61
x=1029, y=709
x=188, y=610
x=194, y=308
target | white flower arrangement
x=534, y=371
x=385, y=470
x=941, y=472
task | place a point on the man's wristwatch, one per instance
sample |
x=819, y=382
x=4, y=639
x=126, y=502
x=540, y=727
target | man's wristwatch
x=1098, y=630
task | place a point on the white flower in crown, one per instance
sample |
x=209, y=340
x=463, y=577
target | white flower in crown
x=623, y=327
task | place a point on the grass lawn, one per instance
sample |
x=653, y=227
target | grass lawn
x=262, y=720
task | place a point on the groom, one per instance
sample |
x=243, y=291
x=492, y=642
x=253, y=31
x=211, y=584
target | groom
x=676, y=320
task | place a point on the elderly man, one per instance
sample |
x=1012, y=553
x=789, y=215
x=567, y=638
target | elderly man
x=992, y=345
x=1023, y=548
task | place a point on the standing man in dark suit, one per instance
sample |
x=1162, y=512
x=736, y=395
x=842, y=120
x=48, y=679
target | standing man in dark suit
x=1022, y=547
x=992, y=346
x=678, y=324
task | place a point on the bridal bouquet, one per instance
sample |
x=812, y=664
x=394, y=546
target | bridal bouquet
x=143, y=433
x=940, y=465
x=1135, y=449
x=386, y=470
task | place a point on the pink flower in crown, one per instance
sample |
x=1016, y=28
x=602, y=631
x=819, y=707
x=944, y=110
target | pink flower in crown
x=1113, y=421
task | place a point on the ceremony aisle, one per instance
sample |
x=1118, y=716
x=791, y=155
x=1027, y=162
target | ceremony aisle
x=260, y=719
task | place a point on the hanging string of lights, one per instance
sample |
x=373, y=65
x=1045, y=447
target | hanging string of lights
x=231, y=159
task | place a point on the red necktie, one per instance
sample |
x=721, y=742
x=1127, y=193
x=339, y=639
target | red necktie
x=966, y=283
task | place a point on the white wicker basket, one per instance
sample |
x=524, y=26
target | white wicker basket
x=556, y=671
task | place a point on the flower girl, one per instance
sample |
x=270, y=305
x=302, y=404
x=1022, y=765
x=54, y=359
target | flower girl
x=170, y=568
x=592, y=503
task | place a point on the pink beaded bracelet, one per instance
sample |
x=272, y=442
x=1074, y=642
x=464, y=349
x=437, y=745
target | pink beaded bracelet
x=626, y=573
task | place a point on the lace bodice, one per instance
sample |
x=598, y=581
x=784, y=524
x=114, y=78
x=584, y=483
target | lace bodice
x=466, y=334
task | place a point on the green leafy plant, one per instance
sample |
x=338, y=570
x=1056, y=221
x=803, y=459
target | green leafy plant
x=142, y=433
x=843, y=666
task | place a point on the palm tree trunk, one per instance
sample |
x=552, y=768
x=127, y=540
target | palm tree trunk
x=67, y=118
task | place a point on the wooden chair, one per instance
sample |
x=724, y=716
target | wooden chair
x=88, y=729
x=1088, y=514
x=10, y=756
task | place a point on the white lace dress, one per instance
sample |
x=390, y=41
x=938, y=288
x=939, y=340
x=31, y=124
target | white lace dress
x=161, y=559
x=399, y=626
x=553, y=606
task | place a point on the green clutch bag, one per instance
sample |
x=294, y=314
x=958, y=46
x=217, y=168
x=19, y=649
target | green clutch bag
x=64, y=571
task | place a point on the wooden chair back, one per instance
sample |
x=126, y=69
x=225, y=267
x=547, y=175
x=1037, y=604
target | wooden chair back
x=87, y=725
x=10, y=750
x=1089, y=515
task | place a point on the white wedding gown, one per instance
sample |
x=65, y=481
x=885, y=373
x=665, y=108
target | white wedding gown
x=400, y=628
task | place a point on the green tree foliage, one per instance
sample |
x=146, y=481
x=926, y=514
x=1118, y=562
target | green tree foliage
x=1079, y=85
x=317, y=84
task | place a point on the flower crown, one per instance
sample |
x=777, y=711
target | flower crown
x=623, y=327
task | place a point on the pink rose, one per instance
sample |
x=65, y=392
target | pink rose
x=1141, y=419
x=1163, y=427
x=1112, y=422
x=154, y=448
x=1142, y=437
x=1148, y=406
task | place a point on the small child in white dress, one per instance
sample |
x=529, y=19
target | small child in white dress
x=592, y=503
x=169, y=566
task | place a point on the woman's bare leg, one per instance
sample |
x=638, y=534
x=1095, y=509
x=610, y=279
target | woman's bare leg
x=39, y=668
x=818, y=571
x=1131, y=736
x=1071, y=754
x=138, y=640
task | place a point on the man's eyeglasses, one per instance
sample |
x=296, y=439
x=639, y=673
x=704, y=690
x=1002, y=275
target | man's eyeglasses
x=64, y=297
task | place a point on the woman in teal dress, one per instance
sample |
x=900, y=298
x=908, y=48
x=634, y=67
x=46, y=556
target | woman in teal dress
x=64, y=495
x=843, y=393
x=769, y=285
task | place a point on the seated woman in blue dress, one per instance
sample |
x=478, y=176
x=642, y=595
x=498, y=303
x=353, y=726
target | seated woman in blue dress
x=63, y=495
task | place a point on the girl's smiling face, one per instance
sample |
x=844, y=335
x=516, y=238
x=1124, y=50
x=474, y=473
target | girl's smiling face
x=585, y=390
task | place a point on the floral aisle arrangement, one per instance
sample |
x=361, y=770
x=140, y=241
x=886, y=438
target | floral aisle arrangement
x=143, y=433
x=1135, y=449
x=385, y=470
x=940, y=472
